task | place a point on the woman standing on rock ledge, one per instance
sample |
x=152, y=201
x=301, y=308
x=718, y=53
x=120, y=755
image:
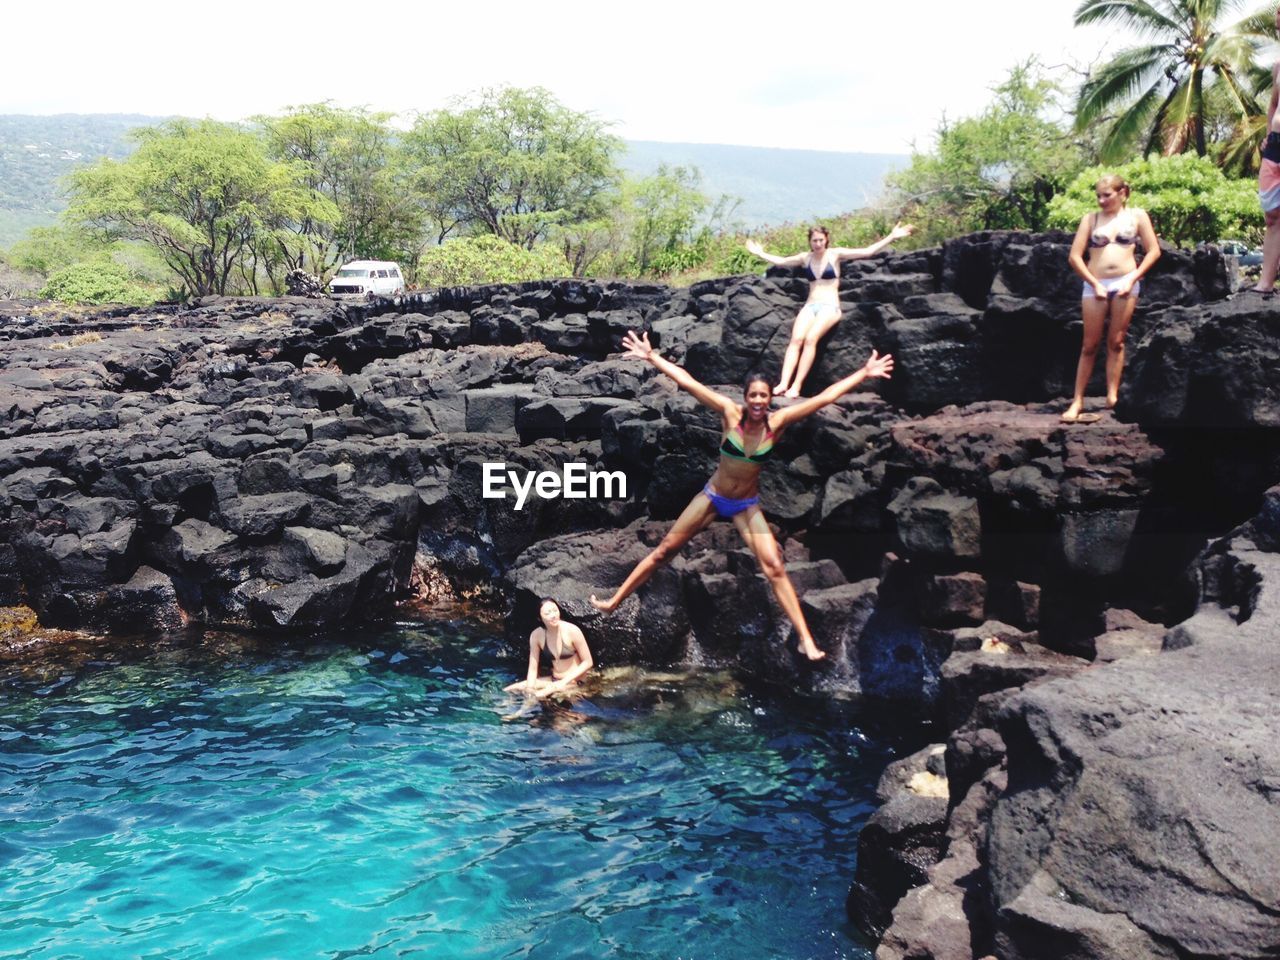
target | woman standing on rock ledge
x=821, y=311
x=1111, y=282
x=748, y=434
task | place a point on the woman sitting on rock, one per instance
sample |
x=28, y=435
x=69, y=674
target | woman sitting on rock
x=1111, y=281
x=821, y=311
x=565, y=647
x=748, y=434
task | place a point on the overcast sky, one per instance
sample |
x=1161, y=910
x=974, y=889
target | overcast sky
x=850, y=76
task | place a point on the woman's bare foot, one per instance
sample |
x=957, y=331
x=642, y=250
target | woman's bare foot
x=1073, y=412
x=604, y=606
x=1112, y=401
x=780, y=390
x=791, y=392
x=810, y=649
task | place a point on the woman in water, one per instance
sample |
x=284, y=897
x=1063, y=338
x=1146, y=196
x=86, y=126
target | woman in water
x=1111, y=281
x=567, y=649
x=748, y=433
x=821, y=311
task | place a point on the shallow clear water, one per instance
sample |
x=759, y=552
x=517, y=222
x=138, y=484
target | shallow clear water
x=368, y=799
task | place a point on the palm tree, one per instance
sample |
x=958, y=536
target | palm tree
x=1158, y=96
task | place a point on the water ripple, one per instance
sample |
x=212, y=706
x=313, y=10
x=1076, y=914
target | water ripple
x=367, y=800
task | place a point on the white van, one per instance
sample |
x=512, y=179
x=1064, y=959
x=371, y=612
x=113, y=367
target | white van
x=367, y=278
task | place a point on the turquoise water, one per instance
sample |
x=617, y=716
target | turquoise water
x=369, y=798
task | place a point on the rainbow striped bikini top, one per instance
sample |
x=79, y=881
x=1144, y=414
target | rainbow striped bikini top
x=734, y=445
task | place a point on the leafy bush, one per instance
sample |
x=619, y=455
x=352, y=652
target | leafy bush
x=1189, y=200
x=681, y=255
x=95, y=281
x=488, y=259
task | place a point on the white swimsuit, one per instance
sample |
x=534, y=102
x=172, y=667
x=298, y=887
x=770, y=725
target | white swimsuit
x=1111, y=285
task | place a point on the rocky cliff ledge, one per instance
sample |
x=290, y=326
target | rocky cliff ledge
x=1107, y=785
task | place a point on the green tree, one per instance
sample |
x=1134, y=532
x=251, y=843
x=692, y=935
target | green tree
x=665, y=210
x=206, y=196
x=646, y=219
x=1162, y=96
x=1238, y=154
x=488, y=259
x=514, y=163
x=1189, y=199
x=596, y=247
x=45, y=250
x=350, y=157
x=998, y=170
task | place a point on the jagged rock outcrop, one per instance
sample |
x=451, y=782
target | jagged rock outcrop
x=371, y=423
x=1208, y=367
x=1128, y=808
x=281, y=463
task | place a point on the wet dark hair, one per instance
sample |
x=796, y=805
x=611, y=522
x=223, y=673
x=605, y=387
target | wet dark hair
x=546, y=600
x=822, y=230
x=752, y=378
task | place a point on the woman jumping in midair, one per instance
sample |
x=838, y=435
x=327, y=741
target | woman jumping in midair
x=821, y=311
x=749, y=432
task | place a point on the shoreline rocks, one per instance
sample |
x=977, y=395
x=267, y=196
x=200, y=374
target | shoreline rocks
x=961, y=555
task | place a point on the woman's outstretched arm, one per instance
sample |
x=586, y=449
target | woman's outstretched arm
x=794, y=260
x=876, y=366
x=640, y=348
x=859, y=253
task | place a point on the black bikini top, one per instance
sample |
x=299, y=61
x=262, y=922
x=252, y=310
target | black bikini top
x=829, y=273
x=1100, y=238
x=566, y=652
x=1271, y=148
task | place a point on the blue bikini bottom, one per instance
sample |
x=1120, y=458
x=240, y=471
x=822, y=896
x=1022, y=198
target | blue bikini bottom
x=727, y=506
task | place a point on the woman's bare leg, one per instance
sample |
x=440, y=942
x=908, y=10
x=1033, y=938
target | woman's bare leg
x=798, y=330
x=697, y=515
x=531, y=689
x=1094, y=313
x=1121, y=313
x=755, y=531
x=1270, y=253
x=813, y=335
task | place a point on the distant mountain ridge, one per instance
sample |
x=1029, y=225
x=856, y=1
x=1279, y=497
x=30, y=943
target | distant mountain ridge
x=37, y=151
x=774, y=185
